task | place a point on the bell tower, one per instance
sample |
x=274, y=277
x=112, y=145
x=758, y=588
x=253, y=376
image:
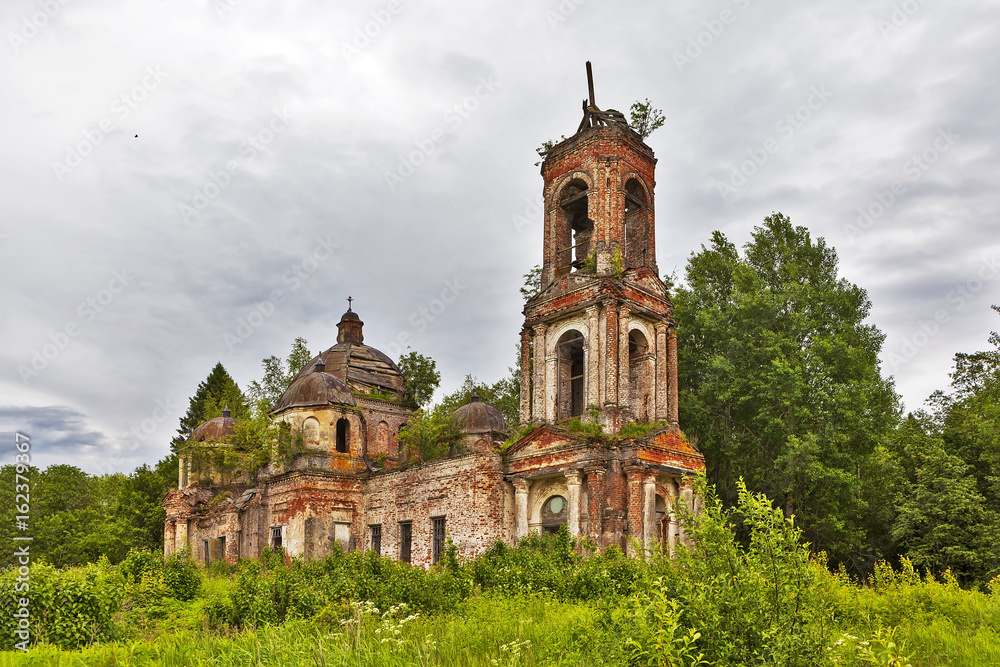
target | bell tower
x=598, y=341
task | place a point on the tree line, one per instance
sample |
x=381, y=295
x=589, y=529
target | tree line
x=780, y=386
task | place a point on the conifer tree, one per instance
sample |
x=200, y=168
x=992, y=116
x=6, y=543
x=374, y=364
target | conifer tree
x=216, y=392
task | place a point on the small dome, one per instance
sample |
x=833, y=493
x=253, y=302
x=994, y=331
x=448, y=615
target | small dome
x=314, y=389
x=215, y=430
x=478, y=417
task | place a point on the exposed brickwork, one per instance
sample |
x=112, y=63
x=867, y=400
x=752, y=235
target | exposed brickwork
x=600, y=336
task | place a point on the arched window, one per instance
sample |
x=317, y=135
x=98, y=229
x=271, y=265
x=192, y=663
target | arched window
x=382, y=438
x=662, y=521
x=574, y=228
x=343, y=434
x=310, y=431
x=641, y=368
x=555, y=512
x=638, y=226
x=569, y=349
x=399, y=442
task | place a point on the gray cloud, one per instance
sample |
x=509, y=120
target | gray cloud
x=354, y=119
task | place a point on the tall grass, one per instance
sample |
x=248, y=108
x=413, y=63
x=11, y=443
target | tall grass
x=756, y=600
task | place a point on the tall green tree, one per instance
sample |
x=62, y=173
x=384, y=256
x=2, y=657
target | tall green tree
x=421, y=376
x=970, y=416
x=941, y=520
x=212, y=395
x=504, y=395
x=278, y=374
x=780, y=379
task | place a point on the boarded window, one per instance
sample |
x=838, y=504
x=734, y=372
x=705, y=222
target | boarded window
x=217, y=549
x=382, y=438
x=343, y=432
x=376, y=530
x=438, y=548
x=310, y=431
x=342, y=535
x=405, y=540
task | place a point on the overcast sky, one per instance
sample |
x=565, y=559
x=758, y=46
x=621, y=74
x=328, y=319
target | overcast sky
x=290, y=154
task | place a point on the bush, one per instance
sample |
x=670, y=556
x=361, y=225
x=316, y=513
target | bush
x=69, y=608
x=182, y=576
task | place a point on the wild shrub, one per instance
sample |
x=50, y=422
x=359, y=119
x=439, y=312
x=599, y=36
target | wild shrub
x=182, y=576
x=269, y=591
x=739, y=603
x=69, y=608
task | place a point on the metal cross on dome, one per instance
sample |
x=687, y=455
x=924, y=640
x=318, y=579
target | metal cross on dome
x=349, y=301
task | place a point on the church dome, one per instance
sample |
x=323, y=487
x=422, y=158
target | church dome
x=364, y=369
x=314, y=389
x=215, y=430
x=478, y=417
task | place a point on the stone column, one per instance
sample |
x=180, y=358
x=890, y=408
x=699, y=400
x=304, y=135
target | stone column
x=660, y=376
x=624, y=396
x=181, y=535
x=552, y=385
x=634, y=509
x=611, y=374
x=538, y=413
x=593, y=359
x=672, y=373
x=168, y=537
x=573, y=488
x=521, y=487
x=687, y=500
x=595, y=481
x=671, y=498
x=649, y=509
x=525, y=377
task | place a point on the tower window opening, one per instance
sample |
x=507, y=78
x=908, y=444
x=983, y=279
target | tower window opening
x=343, y=431
x=575, y=230
x=641, y=368
x=571, y=375
x=638, y=218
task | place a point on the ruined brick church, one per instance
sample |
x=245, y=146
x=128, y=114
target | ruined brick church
x=598, y=344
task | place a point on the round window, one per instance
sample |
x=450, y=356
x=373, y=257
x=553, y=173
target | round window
x=554, y=513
